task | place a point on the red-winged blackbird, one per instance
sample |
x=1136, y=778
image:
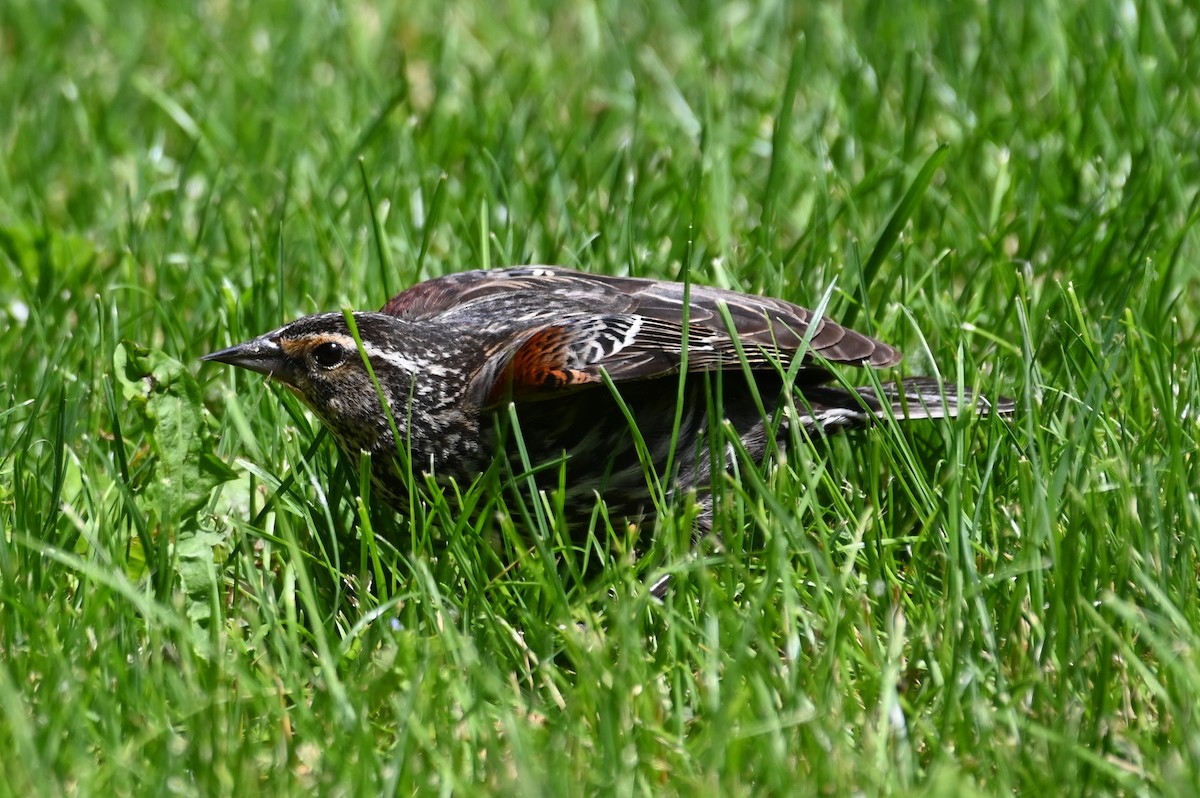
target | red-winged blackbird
x=450, y=354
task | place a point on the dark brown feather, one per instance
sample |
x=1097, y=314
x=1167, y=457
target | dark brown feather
x=564, y=318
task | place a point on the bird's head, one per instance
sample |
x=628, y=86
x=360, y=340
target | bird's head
x=319, y=360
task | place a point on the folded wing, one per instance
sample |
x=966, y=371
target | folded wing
x=560, y=328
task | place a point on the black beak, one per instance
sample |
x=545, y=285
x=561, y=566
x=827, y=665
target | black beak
x=262, y=355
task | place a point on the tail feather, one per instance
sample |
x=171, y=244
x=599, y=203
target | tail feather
x=923, y=397
x=832, y=409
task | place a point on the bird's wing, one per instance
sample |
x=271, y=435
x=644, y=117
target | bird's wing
x=528, y=296
x=762, y=322
x=575, y=353
x=560, y=328
x=492, y=292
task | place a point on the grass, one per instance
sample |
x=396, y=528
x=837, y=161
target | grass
x=194, y=601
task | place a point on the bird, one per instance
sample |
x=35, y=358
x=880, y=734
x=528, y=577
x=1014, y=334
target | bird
x=569, y=359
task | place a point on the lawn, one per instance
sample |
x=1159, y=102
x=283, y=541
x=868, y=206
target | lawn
x=196, y=600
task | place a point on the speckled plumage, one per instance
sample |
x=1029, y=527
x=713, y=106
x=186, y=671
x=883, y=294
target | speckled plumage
x=451, y=353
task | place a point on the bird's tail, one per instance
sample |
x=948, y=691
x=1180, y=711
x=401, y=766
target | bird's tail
x=832, y=409
x=923, y=397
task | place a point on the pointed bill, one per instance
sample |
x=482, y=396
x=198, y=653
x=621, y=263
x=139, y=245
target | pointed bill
x=262, y=355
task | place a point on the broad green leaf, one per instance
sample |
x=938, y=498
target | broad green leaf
x=167, y=402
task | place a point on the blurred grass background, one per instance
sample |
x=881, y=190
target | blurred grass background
x=967, y=608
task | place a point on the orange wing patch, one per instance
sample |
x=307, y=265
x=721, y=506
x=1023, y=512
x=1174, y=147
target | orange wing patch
x=539, y=366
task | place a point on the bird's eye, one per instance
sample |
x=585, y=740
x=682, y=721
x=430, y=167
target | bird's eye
x=329, y=355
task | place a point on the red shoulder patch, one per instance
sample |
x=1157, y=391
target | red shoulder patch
x=539, y=366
